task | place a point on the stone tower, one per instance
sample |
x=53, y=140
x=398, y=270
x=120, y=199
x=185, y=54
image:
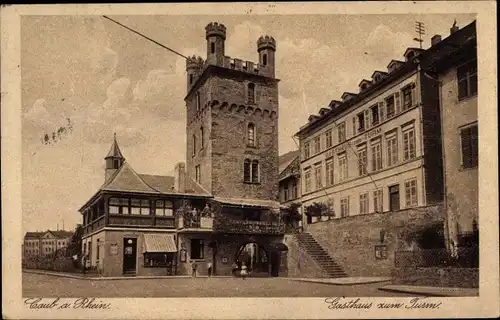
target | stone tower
x=232, y=120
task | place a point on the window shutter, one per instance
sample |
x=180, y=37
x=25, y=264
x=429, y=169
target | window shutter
x=397, y=102
x=354, y=125
x=466, y=148
x=381, y=114
x=367, y=119
x=413, y=94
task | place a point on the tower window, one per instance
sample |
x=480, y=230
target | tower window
x=191, y=79
x=264, y=59
x=251, y=93
x=251, y=135
x=212, y=47
x=202, y=134
x=194, y=145
x=251, y=171
x=116, y=164
x=198, y=101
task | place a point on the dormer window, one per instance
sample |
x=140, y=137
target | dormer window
x=410, y=55
x=377, y=78
x=251, y=135
x=251, y=93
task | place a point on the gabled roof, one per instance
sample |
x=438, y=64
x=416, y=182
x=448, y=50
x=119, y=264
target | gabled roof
x=334, y=103
x=34, y=234
x=322, y=111
x=114, y=152
x=126, y=179
x=368, y=82
x=382, y=73
x=163, y=184
x=395, y=62
x=312, y=117
x=286, y=159
x=62, y=234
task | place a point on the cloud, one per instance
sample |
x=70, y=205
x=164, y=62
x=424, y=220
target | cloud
x=383, y=43
x=38, y=114
x=155, y=84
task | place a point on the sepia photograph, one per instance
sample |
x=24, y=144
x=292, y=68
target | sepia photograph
x=252, y=154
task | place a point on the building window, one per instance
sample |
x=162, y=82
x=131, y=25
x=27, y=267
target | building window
x=392, y=149
x=363, y=203
x=342, y=167
x=264, y=59
x=197, y=249
x=307, y=150
x=212, y=47
x=467, y=80
x=251, y=171
x=328, y=138
x=251, y=135
x=407, y=98
x=329, y=172
x=375, y=115
x=341, y=132
x=317, y=176
x=389, y=102
x=469, y=146
x=116, y=164
x=198, y=101
x=344, y=207
x=251, y=93
x=198, y=173
x=411, y=193
x=202, y=135
x=361, y=122
x=157, y=260
x=118, y=206
x=194, y=144
x=409, y=144
x=191, y=79
x=317, y=145
x=378, y=200
x=307, y=179
x=362, y=161
x=285, y=193
x=376, y=156
x=139, y=207
x=164, y=208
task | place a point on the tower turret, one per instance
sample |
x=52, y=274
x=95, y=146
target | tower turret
x=194, y=67
x=266, y=46
x=114, y=159
x=215, y=35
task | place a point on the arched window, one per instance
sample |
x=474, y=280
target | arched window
x=212, y=47
x=264, y=59
x=251, y=93
x=194, y=144
x=251, y=135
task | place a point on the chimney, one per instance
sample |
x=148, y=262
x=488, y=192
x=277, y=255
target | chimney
x=435, y=40
x=454, y=28
x=180, y=177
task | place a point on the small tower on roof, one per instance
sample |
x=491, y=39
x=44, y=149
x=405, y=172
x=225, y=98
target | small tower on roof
x=114, y=159
x=266, y=46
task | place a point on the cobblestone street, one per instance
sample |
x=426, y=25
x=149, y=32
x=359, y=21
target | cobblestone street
x=35, y=285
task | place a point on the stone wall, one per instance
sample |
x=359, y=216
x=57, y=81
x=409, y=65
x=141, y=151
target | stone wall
x=299, y=263
x=352, y=241
x=442, y=277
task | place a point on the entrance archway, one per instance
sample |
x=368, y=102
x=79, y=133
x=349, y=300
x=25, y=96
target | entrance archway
x=255, y=257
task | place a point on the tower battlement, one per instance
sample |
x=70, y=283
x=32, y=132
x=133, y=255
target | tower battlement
x=215, y=29
x=266, y=42
x=194, y=62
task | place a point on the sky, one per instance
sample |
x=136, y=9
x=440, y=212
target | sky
x=106, y=79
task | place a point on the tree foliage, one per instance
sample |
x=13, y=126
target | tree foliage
x=75, y=244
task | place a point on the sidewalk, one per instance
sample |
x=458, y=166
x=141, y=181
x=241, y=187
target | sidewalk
x=344, y=281
x=433, y=291
x=97, y=277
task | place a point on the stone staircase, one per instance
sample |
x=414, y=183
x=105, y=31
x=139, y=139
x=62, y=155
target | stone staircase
x=317, y=253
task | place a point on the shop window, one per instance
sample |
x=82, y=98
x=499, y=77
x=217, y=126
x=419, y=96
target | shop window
x=197, y=249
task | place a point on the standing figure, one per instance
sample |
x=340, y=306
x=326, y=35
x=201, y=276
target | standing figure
x=193, y=266
x=243, y=271
x=209, y=267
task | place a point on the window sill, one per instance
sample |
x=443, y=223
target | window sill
x=462, y=169
x=249, y=182
x=467, y=98
x=251, y=146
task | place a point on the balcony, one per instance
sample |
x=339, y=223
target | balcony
x=248, y=227
x=195, y=224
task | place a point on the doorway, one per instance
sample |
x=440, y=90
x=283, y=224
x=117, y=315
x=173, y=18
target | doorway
x=255, y=258
x=394, y=198
x=129, y=255
x=275, y=263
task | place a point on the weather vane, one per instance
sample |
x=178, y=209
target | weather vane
x=420, y=29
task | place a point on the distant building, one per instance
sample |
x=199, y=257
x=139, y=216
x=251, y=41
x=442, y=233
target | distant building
x=453, y=62
x=289, y=179
x=43, y=243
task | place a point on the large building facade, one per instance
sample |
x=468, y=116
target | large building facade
x=44, y=243
x=226, y=195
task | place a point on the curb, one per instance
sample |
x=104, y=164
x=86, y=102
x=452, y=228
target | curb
x=70, y=276
x=428, y=294
x=342, y=283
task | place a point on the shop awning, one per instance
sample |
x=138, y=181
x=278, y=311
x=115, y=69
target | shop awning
x=159, y=243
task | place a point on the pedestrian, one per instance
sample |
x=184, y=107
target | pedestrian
x=193, y=267
x=209, y=268
x=84, y=264
x=235, y=269
x=243, y=270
